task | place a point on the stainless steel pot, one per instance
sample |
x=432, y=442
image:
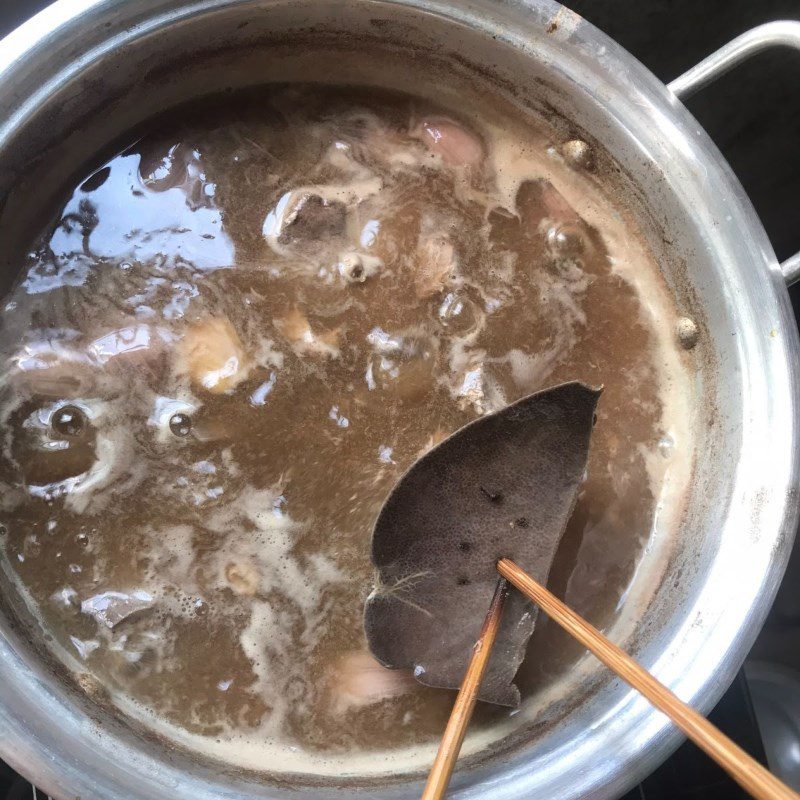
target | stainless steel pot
x=84, y=71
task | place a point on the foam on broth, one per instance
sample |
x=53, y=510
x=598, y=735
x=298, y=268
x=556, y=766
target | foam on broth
x=237, y=335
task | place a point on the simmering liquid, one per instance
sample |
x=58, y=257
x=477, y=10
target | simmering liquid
x=235, y=337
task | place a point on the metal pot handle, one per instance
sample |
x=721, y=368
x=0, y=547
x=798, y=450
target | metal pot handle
x=784, y=33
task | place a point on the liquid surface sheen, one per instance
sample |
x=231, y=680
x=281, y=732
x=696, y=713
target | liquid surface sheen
x=235, y=337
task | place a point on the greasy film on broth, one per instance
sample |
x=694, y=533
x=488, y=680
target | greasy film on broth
x=232, y=340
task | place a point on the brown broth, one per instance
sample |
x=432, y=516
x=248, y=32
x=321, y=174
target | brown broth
x=249, y=533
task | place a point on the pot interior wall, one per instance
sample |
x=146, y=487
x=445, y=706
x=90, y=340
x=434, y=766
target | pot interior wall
x=106, y=82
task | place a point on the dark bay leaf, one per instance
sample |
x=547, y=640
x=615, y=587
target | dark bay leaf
x=504, y=485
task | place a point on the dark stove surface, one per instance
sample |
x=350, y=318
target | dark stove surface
x=689, y=774
x=12, y=787
x=754, y=116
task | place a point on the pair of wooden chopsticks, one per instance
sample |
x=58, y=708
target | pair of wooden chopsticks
x=746, y=771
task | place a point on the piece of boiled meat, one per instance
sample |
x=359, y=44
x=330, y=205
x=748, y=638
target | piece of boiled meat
x=456, y=146
x=504, y=485
x=213, y=355
x=358, y=680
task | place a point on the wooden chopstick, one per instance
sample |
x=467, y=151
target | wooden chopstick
x=744, y=769
x=450, y=746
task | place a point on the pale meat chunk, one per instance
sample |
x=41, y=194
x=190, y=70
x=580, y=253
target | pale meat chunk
x=453, y=143
x=540, y=204
x=295, y=328
x=358, y=680
x=213, y=356
x=436, y=265
x=243, y=577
